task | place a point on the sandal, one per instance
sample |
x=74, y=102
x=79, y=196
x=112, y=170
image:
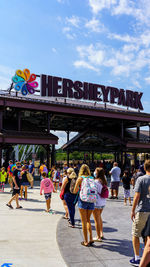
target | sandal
x=10, y=206
x=20, y=207
x=83, y=244
x=91, y=243
x=64, y=217
x=97, y=239
x=70, y=225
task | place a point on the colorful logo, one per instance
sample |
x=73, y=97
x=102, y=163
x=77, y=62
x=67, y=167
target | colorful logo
x=25, y=82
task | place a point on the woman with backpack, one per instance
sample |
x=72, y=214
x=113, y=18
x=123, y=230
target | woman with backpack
x=68, y=187
x=87, y=197
x=101, y=183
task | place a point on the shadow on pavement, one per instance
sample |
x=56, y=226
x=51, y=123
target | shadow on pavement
x=123, y=247
x=36, y=210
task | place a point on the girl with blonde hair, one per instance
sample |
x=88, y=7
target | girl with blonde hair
x=100, y=180
x=85, y=208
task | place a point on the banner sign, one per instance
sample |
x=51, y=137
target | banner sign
x=62, y=87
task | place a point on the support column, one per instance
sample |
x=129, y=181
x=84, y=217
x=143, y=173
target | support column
x=138, y=131
x=125, y=159
x=53, y=156
x=19, y=120
x=68, y=133
x=135, y=159
x=92, y=156
x=122, y=130
x=118, y=157
x=1, y=120
x=48, y=122
x=121, y=160
x=0, y=156
x=115, y=156
x=48, y=156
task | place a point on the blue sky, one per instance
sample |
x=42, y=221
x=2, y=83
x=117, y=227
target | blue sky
x=101, y=41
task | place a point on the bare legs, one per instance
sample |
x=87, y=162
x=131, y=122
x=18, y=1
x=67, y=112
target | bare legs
x=125, y=201
x=114, y=192
x=15, y=197
x=55, y=186
x=146, y=254
x=98, y=222
x=66, y=208
x=48, y=204
x=136, y=245
x=21, y=191
x=86, y=224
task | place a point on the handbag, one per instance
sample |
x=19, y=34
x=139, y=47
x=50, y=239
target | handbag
x=62, y=194
x=29, y=177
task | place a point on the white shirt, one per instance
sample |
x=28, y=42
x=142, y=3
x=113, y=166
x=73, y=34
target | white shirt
x=115, y=174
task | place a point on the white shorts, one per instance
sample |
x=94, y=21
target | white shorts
x=126, y=193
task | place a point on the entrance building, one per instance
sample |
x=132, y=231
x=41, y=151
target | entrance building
x=100, y=127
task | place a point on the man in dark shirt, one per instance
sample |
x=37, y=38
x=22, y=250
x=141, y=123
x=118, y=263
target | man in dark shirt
x=16, y=186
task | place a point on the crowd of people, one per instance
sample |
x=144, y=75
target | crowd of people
x=77, y=185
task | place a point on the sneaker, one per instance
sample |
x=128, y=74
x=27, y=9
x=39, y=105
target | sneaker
x=111, y=197
x=134, y=262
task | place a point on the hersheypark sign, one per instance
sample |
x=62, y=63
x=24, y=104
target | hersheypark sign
x=52, y=86
x=62, y=87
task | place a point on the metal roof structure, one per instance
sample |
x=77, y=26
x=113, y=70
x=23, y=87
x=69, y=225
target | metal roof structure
x=100, y=127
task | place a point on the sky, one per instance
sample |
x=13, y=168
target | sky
x=99, y=41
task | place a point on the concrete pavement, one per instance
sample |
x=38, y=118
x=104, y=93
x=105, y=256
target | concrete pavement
x=115, y=251
x=30, y=237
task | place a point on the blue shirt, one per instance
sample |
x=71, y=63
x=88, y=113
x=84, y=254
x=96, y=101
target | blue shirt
x=31, y=167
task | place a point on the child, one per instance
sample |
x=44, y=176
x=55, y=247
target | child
x=3, y=176
x=47, y=186
x=126, y=185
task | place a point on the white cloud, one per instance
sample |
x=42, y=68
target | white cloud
x=74, y=21
x=95, y=26
x=136, y=83
x=69, y=34
x=84, y=64
x=66, y=29
x=98, y=5
x=125, y=7
x=60, y=1
x=147, y=80
x=62, y=137
x=125, y=38
x=54, y=50
x=94, y=56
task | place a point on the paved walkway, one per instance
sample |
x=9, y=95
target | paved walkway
x=30, y=237
x=115, y=251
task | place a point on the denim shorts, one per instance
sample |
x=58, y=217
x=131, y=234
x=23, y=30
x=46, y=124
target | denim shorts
x=85, y=205
x=47, y=196
x=99, y=207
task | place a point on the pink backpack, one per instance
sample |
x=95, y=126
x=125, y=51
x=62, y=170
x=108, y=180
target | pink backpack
x=105, y=192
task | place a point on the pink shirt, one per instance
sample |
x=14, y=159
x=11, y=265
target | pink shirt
x=47, y=186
